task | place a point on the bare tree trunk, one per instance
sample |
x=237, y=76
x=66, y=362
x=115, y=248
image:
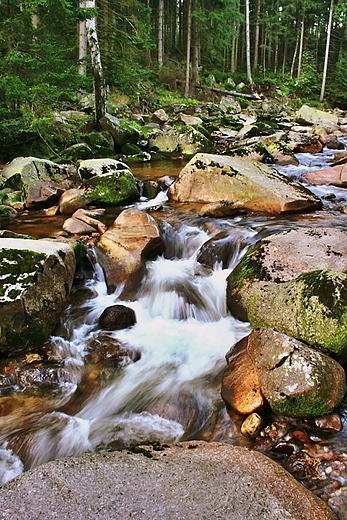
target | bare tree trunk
x=99, y=83
x=301, y=48
x=189, y=38
x=160, y=33
x=326, y=59
x=248, y=46
x=82, y=44
x=256, y=37
x=295, y=54
x=196, y=51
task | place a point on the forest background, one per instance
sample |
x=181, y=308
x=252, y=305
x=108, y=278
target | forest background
x=150, y=53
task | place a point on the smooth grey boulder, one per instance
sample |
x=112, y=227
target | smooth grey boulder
x=295, y=379
x=192, y=480
x=185, y=141
x=35, y=279
x=242, y=184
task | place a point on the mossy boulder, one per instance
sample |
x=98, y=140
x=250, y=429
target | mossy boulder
x=108, y=182
x=311, y=308
x=35, y=280
x=312, y=116
x=282, y=257
x=182, y=140
x=22, y=171
x=295, y=379
x=121, y=131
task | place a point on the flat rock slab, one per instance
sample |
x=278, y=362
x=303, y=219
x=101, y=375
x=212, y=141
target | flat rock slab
x=190, y=481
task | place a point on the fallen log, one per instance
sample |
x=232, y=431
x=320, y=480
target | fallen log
x=228, y=92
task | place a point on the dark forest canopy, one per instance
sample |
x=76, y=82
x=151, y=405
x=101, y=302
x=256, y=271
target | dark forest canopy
x=146, y=45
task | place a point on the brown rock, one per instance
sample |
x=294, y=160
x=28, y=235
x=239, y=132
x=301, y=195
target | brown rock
x=335, y=176
x=71, y=200
x=133, y=238
x=42, y=194
x=75, y=226
x=231, y=181
x=240, y=385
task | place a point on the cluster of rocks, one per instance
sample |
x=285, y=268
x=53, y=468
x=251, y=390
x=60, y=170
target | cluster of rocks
x=220, y=185
x=292, y=288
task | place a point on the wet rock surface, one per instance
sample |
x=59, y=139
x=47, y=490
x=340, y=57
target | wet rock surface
x=192, y=480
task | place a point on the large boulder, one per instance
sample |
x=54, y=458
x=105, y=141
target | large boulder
x=179, y=141
x=22, y=171
x=296, y=380
x=108, y=182
x=133, y=238
x=36, y=277
x=193, y=480
x=121, y=131
x=282, y=257
x=313, y=116
x=240, y=183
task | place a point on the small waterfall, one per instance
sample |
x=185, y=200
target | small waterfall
x=171, y=391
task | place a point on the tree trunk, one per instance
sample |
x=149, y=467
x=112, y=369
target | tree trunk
x=189, y=38
x=160, y=33
x=295, y=54
x=301, y=48
x=256, y=37
x=326, y=59
x=82, y=44
x=248, y=46
x=196, y=50
x=99, y=83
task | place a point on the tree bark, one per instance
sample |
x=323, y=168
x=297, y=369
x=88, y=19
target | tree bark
x=326, y=59
x=189, y=39
x=256, y=37
x=248, y=46
x=82, y=44
x=99, y=83
x=301, y=48
x=160, y=33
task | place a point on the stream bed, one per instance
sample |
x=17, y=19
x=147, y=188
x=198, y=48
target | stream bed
x=159, y=381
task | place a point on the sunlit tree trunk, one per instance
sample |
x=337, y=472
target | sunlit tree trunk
x=160, y=33
x=189, y=39
x=326, y=59
x=301, y=48
x=295, y=54
x=256, y=37
x=248, y=46
x=99, y=84
x=82, y=44
x=195, y=51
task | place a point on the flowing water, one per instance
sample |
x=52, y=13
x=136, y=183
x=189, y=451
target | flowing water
x=165, y=385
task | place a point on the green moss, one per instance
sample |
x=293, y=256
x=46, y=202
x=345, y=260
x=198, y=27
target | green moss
x=330, y=288
x=6, y=211
x=112, y=190
x=251, y=267
x=308, y=405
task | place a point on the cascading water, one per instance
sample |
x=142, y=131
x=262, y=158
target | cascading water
x=165, y=385
x=168, y=387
